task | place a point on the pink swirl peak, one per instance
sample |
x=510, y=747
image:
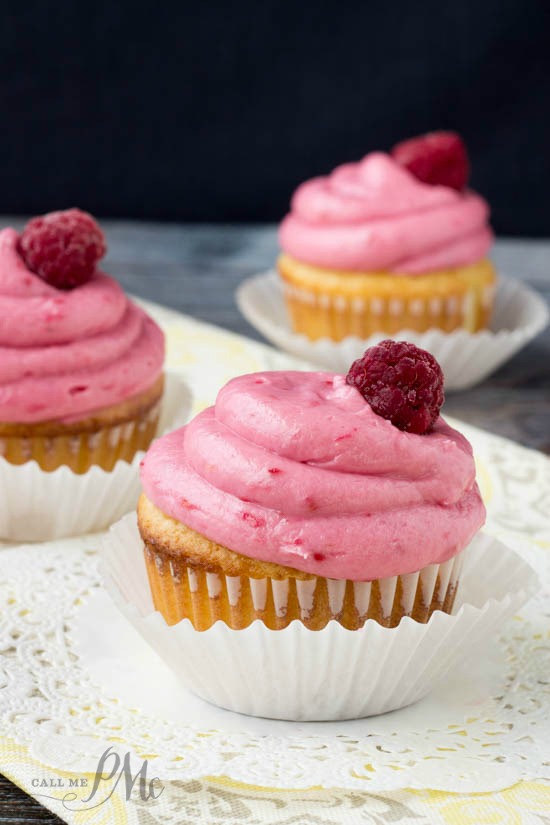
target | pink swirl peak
x=376, y=216
x=295, y=468
x=66, y=354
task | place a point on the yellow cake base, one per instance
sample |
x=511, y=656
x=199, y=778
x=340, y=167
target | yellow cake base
x=101, y=439
x=332, y=304
x=194, y=578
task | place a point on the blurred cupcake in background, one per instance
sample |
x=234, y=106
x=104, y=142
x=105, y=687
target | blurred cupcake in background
x=81, y=366
x=396, y=241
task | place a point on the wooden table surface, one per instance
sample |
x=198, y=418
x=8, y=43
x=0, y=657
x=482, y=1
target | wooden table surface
x=195, y=269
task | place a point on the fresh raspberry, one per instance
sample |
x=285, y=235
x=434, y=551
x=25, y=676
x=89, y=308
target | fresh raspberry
x=402, y=383
x=63, y=248
x=436, y=158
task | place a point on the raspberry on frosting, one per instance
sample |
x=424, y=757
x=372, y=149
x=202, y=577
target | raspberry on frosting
x=436, y=158
x=62, y=248
x=374, y=504
x=402, y=383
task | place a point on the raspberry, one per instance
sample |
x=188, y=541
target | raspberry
x=435, y=158
x=63, y=248
x=402, y=383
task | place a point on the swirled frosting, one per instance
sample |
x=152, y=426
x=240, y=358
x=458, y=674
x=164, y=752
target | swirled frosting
x=295, y=468
x=376, y=216
x=66, y=354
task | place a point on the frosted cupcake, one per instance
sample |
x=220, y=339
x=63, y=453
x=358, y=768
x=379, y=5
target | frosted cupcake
x=312, y=496
x=392, y=242
x=80, y=364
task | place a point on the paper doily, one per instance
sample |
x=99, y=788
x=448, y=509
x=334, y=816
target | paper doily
x=49, y=701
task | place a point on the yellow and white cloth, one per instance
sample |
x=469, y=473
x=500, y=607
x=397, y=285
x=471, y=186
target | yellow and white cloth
x=516, y=485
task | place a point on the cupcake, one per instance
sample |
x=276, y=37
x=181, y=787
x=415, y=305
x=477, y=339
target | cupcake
x=312, y=496
x=81, y=365
x=393, y=242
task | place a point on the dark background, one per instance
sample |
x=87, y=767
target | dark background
x=215, y=111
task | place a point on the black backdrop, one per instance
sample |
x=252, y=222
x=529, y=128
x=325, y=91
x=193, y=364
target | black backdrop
x=216, y=110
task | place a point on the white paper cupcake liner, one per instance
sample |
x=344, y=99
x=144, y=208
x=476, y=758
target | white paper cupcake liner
x=39, y=506
x=333, y=673
x=466, y=358
x=206, y=597
x=437, y=310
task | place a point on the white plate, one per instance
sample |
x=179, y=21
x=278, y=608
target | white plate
x=466, y=358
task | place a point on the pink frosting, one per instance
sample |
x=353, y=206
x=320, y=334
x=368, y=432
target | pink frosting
x=374, y=215
x=295, y=468
x=65, y=354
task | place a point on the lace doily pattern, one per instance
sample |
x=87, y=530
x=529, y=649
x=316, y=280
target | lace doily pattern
x=50, y=705
x=218, y=802
x=48, y=701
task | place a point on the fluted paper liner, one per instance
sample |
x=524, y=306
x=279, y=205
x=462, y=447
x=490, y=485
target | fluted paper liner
x=39, y=506
x=334, y=673
x=466, y=358
x=81, y=451
x=182, y=590
x=338, y=316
